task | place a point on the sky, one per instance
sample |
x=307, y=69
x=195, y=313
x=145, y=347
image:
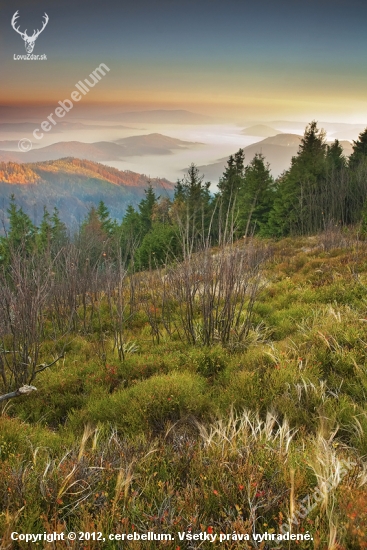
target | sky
x=236, y=60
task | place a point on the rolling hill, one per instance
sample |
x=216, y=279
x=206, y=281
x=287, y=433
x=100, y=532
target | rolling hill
x=98, y=151
x=151, y=144
x=73, y=186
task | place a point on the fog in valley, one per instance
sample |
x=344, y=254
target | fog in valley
x=206, y=145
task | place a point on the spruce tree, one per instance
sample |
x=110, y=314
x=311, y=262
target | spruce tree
x=44, y=235
x=94, y=239
x=357, y=171
x=255, y=196
x=230, y=183
x=22, y=231
x=146, y=208
x=59, y=231
x=229, y=187
x=105, y=219
x=297, y=208
x=335, y=159
x=192, y=205
x=359, y=154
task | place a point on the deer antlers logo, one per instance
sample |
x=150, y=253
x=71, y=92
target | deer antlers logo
x=28, y=40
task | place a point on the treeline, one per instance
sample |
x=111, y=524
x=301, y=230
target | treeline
x=321, y=188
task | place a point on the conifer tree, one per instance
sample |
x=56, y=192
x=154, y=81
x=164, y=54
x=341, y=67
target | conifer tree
x=359, y=154
x=192, y=206
x=297, y=208
x=357, y=189
x=255, y=196
x=59, y=231
x=105, y=219
x=231, y=181
x=93, y=239
x=335, y=159
x=229, y=187
x=146, y=208
x=44, y=235
x=22, y=231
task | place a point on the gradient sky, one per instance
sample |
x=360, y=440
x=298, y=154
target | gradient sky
x=239, y=59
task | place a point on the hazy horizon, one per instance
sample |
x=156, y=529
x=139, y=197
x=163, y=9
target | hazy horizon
x=292, y=61
x=204, y=144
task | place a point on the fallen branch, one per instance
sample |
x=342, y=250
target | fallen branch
x=24, y=390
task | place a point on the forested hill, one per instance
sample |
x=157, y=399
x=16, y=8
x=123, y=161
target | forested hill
x=73, y=186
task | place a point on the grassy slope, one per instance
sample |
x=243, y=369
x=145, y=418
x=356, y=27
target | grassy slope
x=178, y=436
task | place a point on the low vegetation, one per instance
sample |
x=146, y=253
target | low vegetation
x=169, y=433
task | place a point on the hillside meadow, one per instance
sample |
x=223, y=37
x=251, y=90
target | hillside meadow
x=157, y=418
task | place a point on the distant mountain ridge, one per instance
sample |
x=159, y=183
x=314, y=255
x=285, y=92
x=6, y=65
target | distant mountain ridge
x=162, y=116
x=278, y=152
x=154, y=138
x=9, y=144
x=29, y=127
x=73, y=186
x=145, y=144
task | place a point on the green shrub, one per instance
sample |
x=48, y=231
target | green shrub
x=149, y=405
x=20, y=439
x=210, y=361
x=244, y=391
